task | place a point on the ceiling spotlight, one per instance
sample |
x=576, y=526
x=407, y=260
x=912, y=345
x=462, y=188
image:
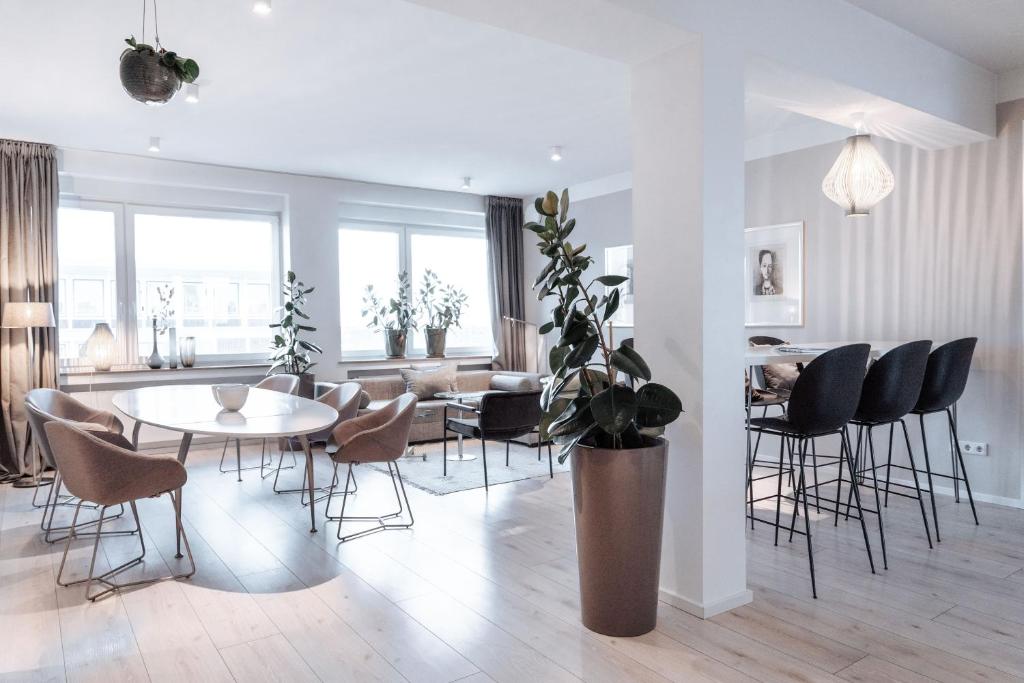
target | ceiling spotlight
x=466, y=183
x=192, y=93
x=556, y=154
x=154, y=144
x=261, y=7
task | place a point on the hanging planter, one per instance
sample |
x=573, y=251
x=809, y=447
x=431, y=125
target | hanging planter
x=153, y=76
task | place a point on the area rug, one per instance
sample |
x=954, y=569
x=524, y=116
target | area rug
x=463, y=476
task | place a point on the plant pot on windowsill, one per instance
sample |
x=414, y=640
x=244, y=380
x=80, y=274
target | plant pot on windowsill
x=437, y=339
x=394, y=342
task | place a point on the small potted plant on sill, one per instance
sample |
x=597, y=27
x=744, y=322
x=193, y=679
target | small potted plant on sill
x=442, y=308
x=292, y=354
x=609, y=417
x=153, y=75
x=395, y=318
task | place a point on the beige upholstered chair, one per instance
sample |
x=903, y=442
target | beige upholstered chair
x=106, y=474
x=285, y=384
x=342, y=397
x=380, y=436
x=45, y=405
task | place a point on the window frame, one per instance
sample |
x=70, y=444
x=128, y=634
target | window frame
x=126, y=331
x=416, y=346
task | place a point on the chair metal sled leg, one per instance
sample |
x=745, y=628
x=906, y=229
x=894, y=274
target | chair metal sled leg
x=107, y=578
x=382, y=524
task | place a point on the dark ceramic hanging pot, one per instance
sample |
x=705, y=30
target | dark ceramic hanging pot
x=146, y=79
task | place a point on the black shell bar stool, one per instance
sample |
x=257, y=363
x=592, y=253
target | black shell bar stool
x=944, y=382
x=891, y=390
x=824, y=399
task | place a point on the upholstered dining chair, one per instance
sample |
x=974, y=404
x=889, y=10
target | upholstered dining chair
x=285, y=384
x=45, y=405
x=344, y=398
x=107, y=474
x=381, y=436
x=501, y=416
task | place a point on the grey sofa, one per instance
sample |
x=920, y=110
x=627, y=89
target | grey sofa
x=429, y=422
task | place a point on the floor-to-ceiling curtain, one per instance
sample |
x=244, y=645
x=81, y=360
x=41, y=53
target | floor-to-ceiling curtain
x=505, y=262
x=29, y=198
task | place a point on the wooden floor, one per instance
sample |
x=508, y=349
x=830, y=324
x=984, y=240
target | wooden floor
x=484, y=588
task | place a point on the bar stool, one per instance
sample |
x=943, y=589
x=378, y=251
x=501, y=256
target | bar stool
x=824, y=399
x=890, y=391
x=944, y=382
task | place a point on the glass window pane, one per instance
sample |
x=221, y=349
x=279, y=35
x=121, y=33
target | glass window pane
x=208, y=261
x=87, y=274
x=459, y=260
x=364, y=257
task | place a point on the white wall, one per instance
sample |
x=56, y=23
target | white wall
x=311, y=210
x=939, y=259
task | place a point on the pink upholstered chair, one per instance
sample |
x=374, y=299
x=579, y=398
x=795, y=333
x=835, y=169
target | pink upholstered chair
x=45, y=405
x=380, y=436
x=106, y=474
x=342, y=397
x=285, y=384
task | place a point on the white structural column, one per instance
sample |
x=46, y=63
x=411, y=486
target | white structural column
x=688, y=177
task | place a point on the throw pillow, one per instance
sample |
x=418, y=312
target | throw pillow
x=426, y=383
x=511, y=383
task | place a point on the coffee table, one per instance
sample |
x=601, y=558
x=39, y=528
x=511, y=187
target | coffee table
x=470, y=398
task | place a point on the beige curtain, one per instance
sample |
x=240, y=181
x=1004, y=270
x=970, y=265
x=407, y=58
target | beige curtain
x=505, y=260
x=29, y=198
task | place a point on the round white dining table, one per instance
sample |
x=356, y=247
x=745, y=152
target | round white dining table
x=191, y=410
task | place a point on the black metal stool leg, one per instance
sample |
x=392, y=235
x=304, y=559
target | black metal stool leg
x=856, y=497
x=778, y=491
x=483, y=456
x=888, y=463
x=917, y=484
x=960, y=457
x=807, y=519
x=878, y=500
x=931, y=485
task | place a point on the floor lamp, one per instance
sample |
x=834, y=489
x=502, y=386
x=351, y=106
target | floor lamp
x=26, y=316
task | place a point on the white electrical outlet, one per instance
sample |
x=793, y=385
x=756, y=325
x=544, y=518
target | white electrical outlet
x=974, y=448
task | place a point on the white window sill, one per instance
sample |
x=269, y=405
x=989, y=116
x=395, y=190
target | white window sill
x=134, y=376
x=384, y=361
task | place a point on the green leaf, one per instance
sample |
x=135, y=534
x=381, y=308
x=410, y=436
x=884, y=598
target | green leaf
x=535, y=227
x=568, y=228
x=614, y=408
x=550, y=204
x=630, y=362
x=565, y=205
x=538, y=204
x=546, y=327
x=611, y=280
x=556, y=357
x=191, y=70
x=657, y=406
x=582, y=352
x=611, y=306
x=547, y=270
x=573, y=420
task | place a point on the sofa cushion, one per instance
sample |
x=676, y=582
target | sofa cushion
x=426, y=383
x=511, y=383
x=364, y=399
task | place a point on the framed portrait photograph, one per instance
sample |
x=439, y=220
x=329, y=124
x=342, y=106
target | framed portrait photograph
x=619, y=261
x=774, y=275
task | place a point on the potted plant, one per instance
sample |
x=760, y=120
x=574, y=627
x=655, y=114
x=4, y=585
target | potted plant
x=395, y=318
x=609, y=417
x=292, y=354
x=153, y=75
x=442, y=307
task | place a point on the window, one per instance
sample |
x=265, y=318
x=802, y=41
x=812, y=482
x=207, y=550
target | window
x=376, y=254
x=222, y=266
x=87, y=278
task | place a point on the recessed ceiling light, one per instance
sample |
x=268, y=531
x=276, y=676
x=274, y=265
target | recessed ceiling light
x=556, y=153
x=466, y=183
x=261, y=7
x=154, y=144
x=192, y=93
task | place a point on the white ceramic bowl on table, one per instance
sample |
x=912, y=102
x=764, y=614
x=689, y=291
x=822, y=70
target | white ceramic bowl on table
x=230, y=396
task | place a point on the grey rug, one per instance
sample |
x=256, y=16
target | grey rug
x=463, y=476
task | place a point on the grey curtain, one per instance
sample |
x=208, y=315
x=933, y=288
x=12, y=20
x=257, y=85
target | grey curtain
x=505, y=263
x=29, y=198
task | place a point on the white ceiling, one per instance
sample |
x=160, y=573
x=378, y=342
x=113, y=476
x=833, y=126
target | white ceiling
x=376, y=90
x=989, y=33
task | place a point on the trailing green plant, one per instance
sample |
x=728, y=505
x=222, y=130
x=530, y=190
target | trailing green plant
x=398, y=314
x=585, y=402
x=290, y=352
x=185, y=68
x=440, y=304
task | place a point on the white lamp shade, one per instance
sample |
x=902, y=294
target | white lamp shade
x=859, y=178
x=100, y=348
x=18, y=314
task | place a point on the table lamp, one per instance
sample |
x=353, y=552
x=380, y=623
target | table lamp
x=27, y=315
